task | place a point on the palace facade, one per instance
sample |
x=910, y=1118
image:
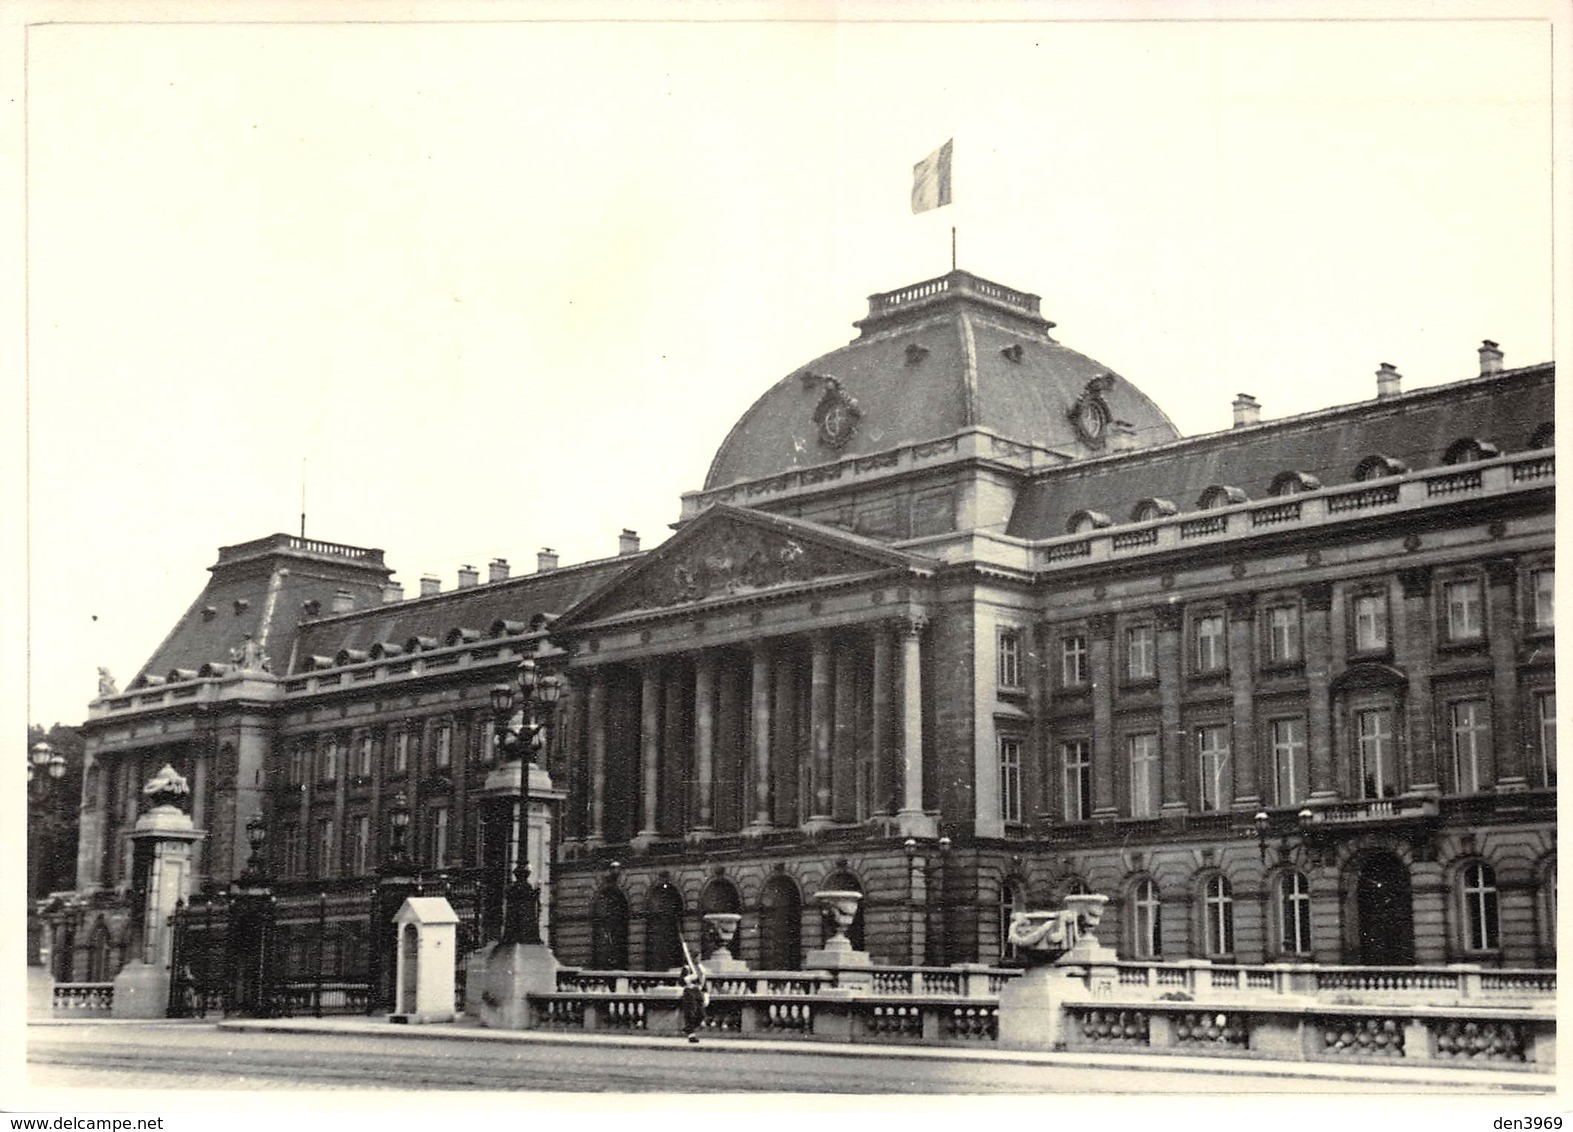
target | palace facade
x=960, y=621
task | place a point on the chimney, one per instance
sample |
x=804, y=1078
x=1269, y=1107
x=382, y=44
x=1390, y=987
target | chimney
x=1122, y=436
x=343, y=601
x=430, y=584
x=468, y=576
x=1490, y=358
x=545, y=559
x=1247, y=411
x=392, y=592
x=1387, y=381
x=498, y=570
x=628, y=542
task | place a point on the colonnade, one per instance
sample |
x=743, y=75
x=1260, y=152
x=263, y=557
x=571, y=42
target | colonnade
x=803, y=731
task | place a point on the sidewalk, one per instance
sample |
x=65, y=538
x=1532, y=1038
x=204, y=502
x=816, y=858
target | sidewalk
x=1413, y=1077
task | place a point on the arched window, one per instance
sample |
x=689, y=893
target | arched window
x=609, y=930
x=1083, y=521
x=1149, y=509
x=1220, y=495
x=1376, y=466
x=1218, y=915
x=780, y=925
x=663, y=941
x=1146, y=920
x=1469, y=449
x=1294, y=913
x=1291, y=483
x=1477, y=892
x=1012, y=900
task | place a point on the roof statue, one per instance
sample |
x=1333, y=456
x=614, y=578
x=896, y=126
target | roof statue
x=106, y=683
x=250, y=657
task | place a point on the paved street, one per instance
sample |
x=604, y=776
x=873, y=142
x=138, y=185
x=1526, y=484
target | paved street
x=202, y=1056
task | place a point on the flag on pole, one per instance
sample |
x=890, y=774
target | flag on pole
x=931, y=180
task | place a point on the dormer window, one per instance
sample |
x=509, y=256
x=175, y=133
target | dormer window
x=1468, y=450
x=1085, y=521
x=1292, y=483
x=1150, y=509
x=1377, y=466
x=1220, y=495
x=916, y=353
x=1012, y=353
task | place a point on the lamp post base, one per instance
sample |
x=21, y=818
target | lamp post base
x=513, y=972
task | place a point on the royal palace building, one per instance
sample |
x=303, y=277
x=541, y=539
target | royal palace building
x=958, y=620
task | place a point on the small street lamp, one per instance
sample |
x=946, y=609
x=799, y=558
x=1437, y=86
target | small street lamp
x=518, y=737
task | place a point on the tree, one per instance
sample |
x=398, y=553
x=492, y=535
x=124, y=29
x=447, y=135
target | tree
x=52, y=809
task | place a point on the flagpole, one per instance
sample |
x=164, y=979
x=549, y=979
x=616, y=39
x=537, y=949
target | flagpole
x=953, y=247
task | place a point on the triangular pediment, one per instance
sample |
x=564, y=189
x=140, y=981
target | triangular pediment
x=729, y=552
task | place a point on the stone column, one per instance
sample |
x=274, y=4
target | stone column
x=785, y=749
x=913, y=820
x=704, y=741
x=761, y=696
x=1502, y=625
x=1171, y=675
x=672, y=816
x=1242, y=685
x=1099, y=645
x=881, y=723
x=1319, y=707
x=820, y=724
x=597, y=755
x=1414, y=641
x=843, y=769
x=96, y=773
x=650, y=747
x=729, y=806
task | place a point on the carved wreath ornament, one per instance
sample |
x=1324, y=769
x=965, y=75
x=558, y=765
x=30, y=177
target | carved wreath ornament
x=837, y=413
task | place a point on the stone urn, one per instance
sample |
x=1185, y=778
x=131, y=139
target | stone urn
x=1088, y=907
x=844, y=907
x=724, y=924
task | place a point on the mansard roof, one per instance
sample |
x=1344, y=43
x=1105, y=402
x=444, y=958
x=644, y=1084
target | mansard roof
x=932, y=359
x=1416, y=429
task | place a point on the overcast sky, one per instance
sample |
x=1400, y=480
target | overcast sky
x=506, y=285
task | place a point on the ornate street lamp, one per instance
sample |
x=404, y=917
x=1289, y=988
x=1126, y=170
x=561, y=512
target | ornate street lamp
x=399, y=822
x=539, y=693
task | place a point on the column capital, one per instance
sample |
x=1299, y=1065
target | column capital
x=1101, y=625
x=1318, y=596
x=1416, y=580
x=1171, y=616
x=912, y=624
x=1242, y=607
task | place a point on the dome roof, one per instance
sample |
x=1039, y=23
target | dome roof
x=933, y=359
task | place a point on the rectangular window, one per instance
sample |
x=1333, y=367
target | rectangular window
x=1471, y=741
x=1544, y=586
x=363, y=756
x=1010, y=779
x=1209, y=643
x=1371, y=622
x=329, y=770
x=1146, y=776
x=325, y=847
x=442, y=748
x=1212, y=767
x=1546, y=726
x=1140, y=663
x=299, y=760
x=1378, y=753
x=1288, y=737
x=1073, y=660
x=401, y=751
x=290, y=853
x=1076, y=757
x=360, y=844
x=1462, y=600
x=1283, y=634
x=437, y=837
x=1008, y=662
x=485, y=752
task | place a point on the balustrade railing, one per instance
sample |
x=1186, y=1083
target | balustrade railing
x=83, y=998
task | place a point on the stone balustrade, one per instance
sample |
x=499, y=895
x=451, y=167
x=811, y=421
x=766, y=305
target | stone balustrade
x=83, y=999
